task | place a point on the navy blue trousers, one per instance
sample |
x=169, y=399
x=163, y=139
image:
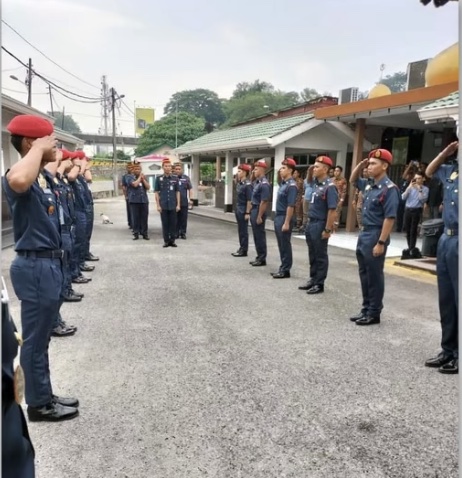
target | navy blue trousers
x=80, y=242
x=317, y=251
x=182, y=221
x=371, y=272
x=168, y=218
x=284, y=243
x=139, y=215
x=38, y=285
x=242, y=230
x=90, y=213
x=447, y=270
x=259, y=234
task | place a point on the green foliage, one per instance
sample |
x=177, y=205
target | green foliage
x=308, y=94
x=200, y=102
x=70, y=125
x=207, y=172
x=245, y=88
x=396, y=82
x=163, y=132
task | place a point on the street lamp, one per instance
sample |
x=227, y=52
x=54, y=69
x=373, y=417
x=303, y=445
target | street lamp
x=27, y=83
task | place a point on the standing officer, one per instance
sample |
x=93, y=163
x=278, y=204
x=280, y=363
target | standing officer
x=260, y=198
x=298, y=213
x=447, y=261
x=17, y=450
x=342, y=188
x=125, y=191
x=36, y=272
x=243, y=206
x=284, y=219
x=321, y=217
x=185, y=186
x=380, y=208
x=87, y=179
x=167, y=192
x=139, y=202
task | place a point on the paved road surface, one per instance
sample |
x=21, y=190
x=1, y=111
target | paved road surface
x=190, y=363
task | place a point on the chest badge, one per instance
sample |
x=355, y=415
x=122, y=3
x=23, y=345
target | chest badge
x=18, y=381
x=454, y=175
x=55, y=180
x=42, y=181
x=51, y=209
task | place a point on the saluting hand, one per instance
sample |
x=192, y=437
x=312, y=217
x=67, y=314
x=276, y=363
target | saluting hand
x=47, y=145
x=450, y=149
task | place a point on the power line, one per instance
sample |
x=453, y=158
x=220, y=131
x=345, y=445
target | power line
x=47, y=57
x=22, y=92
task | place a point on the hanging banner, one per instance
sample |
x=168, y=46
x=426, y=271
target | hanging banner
x=143, y=118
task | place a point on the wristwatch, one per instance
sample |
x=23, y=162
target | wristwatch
x=382, y=243
x=328, y=231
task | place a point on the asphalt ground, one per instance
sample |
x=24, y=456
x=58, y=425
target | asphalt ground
x=188, y=362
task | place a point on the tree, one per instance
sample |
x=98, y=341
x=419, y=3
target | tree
x=164, y=131
x=396, y=82
x=200, y=102
x=70, y=125
x=245, y=88
x=308, y=94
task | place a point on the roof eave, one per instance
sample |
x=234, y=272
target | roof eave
x=435, y=115
x=219, y=147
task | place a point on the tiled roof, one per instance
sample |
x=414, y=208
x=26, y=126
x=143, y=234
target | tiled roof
x=446, y=102
x=246, y=133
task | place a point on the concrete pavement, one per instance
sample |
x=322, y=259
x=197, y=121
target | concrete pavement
x=191, y=363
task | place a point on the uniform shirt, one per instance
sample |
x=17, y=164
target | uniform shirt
x=308, y=189
x=244, y=191
x=167, y=187
x=414, y=199
x=261, y=191
x=287, y=196
x=66, y=199
x=35, y=216
x=380, y=200
x=88, y=196
x=323, y=198
x=448, y=174
x=79, y=195
x=185, y=185
x=136, y=195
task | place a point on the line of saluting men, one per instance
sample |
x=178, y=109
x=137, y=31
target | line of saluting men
x=379, y=209
x=52, y=208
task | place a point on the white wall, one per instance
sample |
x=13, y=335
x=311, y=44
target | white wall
x=319, y=138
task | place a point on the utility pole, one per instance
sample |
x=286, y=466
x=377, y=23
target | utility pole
x=114, y=143
x=51, y=100
x=64, y=115
x=105, y=104
x=29, y=83
x=176, y=125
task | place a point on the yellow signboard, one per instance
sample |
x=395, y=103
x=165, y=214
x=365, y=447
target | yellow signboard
x=143, y=118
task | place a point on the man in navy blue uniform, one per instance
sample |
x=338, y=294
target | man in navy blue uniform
x=260, y=197
x=87, y=179
x=36, y=272
x=125, y=191
x=380, y=206
x=447, y=261
x=186, y=200
x=167, y=192
x=17, y=450
x=321, y=218
x=284, y=218
x=139, y=202
x=243, y=207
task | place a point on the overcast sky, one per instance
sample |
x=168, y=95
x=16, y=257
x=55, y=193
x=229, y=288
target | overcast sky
x=149, y=49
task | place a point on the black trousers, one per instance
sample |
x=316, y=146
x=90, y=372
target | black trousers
x=129, y=213
x=182, y=221
x=139, y=215
x=168, y=218
x=412, y=217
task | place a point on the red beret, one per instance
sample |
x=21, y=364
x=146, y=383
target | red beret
x=166, y=160
x=244, y=167
x=79, y=154
x=260, y=164
x=289, y=162
x=325, y=160
x=66, y=154
x=30, y=126
x=382, y=154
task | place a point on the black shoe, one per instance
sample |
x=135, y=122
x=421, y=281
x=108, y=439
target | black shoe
x=62, y=331
x=406, y=254
x=416, y=254
x=78, y=294
x=91, y=257
x=52, y=412
x=239, y=254
x=307, y=286
x=72, y=298
x=172, y=244
x=87, y=268
x=438, y=361
x=81, y=280
x=166, y=244
x=281, y=275
x=183, y=236
x=258, y=263
x=146, y=237
x=360, y=316
x=368, y=321
x=451, y=367
x=136, y=237
x=316, y=289
x=65, y=401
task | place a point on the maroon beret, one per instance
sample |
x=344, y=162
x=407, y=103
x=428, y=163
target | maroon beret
x=289, y=162
x=382, y=154
x=260, y=164
x=325, y=160
x=244, y=167
x=30, y=126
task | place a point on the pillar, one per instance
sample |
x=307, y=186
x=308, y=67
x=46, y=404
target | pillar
x=279, y=156
x=358, y=150
x=195, y=176
x=229, y=160
x=218, y=168
x=340, y=160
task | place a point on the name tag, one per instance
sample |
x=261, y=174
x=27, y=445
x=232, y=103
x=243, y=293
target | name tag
x=171, y=188
x=47, y=190
x=312, y=197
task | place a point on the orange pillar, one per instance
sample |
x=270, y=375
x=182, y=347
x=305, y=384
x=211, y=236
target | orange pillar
x=357, y=158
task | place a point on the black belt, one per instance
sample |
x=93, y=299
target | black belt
x=372, y=228
x=58, y=254
x=66, y=228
